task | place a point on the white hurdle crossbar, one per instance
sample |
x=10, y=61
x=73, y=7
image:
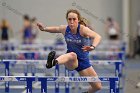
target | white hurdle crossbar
x=44, y=79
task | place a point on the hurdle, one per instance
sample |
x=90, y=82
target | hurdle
x=112, y=44
x=118, y=68
x=119, y=54
x=44, y=79
x=117, y=63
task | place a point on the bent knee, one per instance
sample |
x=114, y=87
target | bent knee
x=98, y=86
x=73, y=55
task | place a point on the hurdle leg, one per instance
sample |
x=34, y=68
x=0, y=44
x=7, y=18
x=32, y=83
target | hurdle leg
x=67, y=85
x=113, y=85
x=73, y=84
x=25, y=69
x=57, y=83
x=33, y=69
x=118, y=73
x=7, y=74
x=29, y=85
x=43, y=85
x=118, y=69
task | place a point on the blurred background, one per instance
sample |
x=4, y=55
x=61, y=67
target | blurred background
x=117, y=21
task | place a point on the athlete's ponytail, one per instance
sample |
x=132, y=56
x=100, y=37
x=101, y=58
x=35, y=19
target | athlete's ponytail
x=83, y=21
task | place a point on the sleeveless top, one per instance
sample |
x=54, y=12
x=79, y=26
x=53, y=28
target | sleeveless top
x=75, y=42
x=27, y=32
x=4, y=34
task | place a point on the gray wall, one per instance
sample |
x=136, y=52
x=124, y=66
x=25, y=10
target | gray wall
x=52, y=12
x=135, y=14
x=134, y=17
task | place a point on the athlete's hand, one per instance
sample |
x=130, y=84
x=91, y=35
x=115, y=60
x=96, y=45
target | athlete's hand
x=40, y=26
x=87, y=48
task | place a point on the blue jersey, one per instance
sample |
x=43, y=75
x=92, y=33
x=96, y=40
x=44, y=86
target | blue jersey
x=4, y=34
x=27, y=32
x=75, y=42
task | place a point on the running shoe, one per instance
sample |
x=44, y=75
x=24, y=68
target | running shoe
x=51, y=60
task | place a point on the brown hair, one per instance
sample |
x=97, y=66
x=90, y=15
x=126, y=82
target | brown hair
x=81, y=19
x=84, y=21
x=73, y=11
x=5, y=23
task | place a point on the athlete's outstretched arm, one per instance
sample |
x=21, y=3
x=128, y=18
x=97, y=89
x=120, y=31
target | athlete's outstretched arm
x=52, y=29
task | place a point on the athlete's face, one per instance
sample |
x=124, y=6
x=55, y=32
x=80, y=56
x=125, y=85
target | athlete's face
x=72, y=21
